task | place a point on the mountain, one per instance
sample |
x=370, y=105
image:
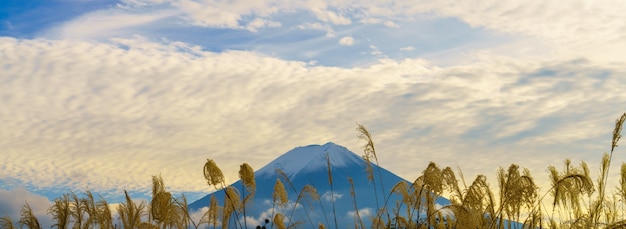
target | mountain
x=308, y=166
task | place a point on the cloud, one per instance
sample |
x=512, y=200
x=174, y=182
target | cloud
x=589, y=26
x=346, y=41
x=331, y=16
x=581, y=29
x=105, y=23
x=262, y=23
x=107, y=117
x=370, y=21
x=407, y=48
x=329, y=197
x=213, y=14
x=375, y=51
x=197, y=215
x=143, y=3
x=318, y=26
x=11, y=202
x=364, y=213
x=508, y=29
x=391, y=24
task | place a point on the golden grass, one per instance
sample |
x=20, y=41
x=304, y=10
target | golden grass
x=27, y=218
x=577, y=202
x=7, y=222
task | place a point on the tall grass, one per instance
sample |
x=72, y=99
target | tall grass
x=577, y=202
x=332, y=191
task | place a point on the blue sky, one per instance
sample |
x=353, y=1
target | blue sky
x=101, y=95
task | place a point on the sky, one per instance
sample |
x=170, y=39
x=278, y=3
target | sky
x=102, y=95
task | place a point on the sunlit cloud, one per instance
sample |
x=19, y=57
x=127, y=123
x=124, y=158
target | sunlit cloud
x=347, y=41
x=107, y=98
x=99, y=107
x=262, y=23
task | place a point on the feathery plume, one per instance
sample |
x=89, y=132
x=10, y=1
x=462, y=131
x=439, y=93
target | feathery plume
x=280, y=194
x=617, y=132
x=212, y=173
x=246, y=174
x=232, y=204
x=6, y=223
x=279, y=221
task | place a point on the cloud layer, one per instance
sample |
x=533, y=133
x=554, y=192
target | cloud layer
x=106, y=117
x=106, y=98
x=11, y=201
x=305, y=31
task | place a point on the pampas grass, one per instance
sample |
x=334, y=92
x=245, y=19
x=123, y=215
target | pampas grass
x=246, y=174
x=279, y=221
x=130, y=213
x=358, y=222
x=576, y=201
x=7, y=223
x=27, y=218
x=332, y=191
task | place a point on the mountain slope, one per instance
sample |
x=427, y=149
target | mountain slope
x=308, y=166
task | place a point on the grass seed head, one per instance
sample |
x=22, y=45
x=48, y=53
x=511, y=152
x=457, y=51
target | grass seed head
x=246, y=174
x=280, y=194
x=212, y=173
x=279, y=221
x=617, y=132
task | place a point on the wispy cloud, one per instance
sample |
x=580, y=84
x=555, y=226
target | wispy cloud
x=104, y=24
x=319, y=26
x=327, y=196
x=258, y=23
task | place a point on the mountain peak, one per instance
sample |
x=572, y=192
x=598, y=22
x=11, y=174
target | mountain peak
x=307, y=165
x=311, y=158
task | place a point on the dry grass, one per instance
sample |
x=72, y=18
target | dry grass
x=577, y=202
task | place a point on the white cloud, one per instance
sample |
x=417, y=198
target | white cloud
x=580, y=29
x=251, y=221
x=81, y=114
x=376, y=51
x=197, y=215
x=364, y=213
x=318, y=26
x=330, y=16
x=347, y=41
x=258, y=23
x=370, y=20
x=407, y=48
x=592, y=23
x=391, y=24
x=329, y=197
x=212, y=14
x=105, y=24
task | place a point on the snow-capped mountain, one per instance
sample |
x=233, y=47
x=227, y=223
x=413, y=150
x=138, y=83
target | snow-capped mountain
x=308, y=166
